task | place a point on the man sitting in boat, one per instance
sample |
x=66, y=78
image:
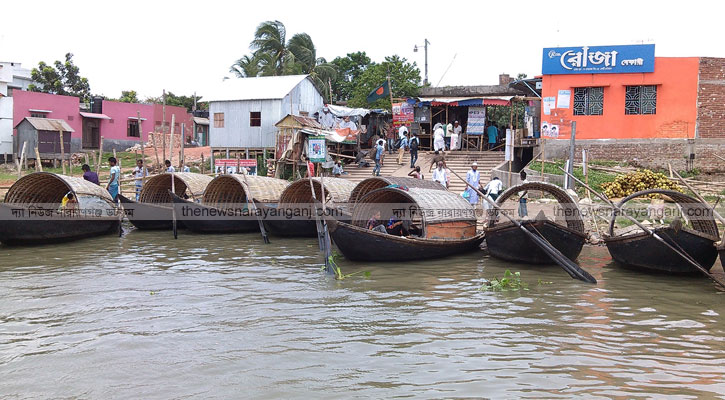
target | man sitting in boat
x=69, y=202
x=374, y=223
x=396, y=227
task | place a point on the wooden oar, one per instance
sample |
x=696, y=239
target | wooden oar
x=173, y=208
x=571, y=268
x=253, y=207
x=317, y=219
x=652, y=233
x=684, y=182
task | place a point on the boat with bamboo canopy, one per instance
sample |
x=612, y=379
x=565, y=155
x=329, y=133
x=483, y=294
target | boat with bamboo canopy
x=297, y=205
x=33, y=213
x=640, y=250
x=439, y=223
x=378, y=182
x=225, y=205
x=154, y=210
x=507, y=241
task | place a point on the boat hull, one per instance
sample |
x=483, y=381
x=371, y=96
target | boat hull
x=147, y=216
x=643, y=252
x=43, y=231
x=721, y=251
x=359, y=244
x=196, y=218
x=508, y=242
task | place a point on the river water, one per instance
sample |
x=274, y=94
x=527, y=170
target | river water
x=146, y=316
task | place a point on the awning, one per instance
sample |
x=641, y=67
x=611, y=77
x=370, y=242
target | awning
x=33, y=110
x=136, y=118
x=201, y=121
x=468, y=101
x=329, y=135
x=340, y=111
x=94, y=115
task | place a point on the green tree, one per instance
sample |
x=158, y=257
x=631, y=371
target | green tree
x=270, y=44
x=404, y=82
x=180, y=101
x=304, y=60
x=349, y=69
x=128, y=96
x=63, y=79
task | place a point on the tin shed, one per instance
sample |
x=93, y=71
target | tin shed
x=43, y=133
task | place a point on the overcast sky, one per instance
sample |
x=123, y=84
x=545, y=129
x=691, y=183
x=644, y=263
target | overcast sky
x=185, y=46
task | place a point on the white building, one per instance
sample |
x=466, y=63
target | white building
x=12, y=77
x=243, y=111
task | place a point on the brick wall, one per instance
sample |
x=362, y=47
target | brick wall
x=649, y=153
x=711, y=98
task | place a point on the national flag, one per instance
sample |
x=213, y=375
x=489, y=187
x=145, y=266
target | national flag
x=380, y=92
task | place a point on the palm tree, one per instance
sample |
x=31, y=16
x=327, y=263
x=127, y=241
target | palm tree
x=270, y=42
x=304, y=54
x=246, y=67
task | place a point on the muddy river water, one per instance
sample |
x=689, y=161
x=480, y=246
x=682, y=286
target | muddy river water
x=226, y=316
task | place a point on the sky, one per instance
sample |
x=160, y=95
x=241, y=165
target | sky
x=185, y=47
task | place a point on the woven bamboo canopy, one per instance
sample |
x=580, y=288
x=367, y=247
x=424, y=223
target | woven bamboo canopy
x=227, y=189
x=368, y=185
x=186, y=184
x=571, y=209
x=337, y=190
x=49, y=188
x=429, y=205
x=700, y=215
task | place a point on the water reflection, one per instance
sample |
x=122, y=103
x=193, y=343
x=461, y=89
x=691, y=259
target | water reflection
x=227, y=316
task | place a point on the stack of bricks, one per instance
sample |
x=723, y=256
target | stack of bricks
x=711, y=99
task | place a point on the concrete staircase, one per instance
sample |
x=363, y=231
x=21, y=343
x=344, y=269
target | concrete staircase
x=460, y=162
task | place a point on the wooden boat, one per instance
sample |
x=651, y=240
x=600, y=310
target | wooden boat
x=368, y=185
x=721, y=251
x=31, y=212
x=641, y=251
x=154, y=210
x=507, y=242
x=446, y=223
x=297, y=204
x=224, y=205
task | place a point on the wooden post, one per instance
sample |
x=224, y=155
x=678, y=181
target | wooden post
x=163, y=127
x=38, y=163
x=20, y=162
x=85, y=157
x=543, y=157
x=143, y=149
x=171, y=140
x=100, y=157
x=202, y=163
x=156, y=150
x=62, y=152
x=95, y=163
x=181, y=152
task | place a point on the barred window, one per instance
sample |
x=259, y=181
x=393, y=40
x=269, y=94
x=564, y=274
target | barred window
x=588, y=101
x=219, y=120
x=640, y=100
x=132, y=128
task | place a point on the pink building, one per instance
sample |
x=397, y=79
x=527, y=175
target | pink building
x=116, y=122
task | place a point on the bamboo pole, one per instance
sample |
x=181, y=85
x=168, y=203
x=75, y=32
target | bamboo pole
x=543, y=157
x=20, y=162
x=95, y=162
x=62, y=152
x=202, y=163
x=100, y=157
x=38, y=162
x=171, y=140
x=181, y=144
x=163, y=127
x=156, y=149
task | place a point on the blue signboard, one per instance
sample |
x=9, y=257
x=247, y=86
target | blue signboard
x=599, y=59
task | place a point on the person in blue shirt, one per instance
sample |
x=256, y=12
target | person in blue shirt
x=115, y=178
x=492, y=132
x=378, y=155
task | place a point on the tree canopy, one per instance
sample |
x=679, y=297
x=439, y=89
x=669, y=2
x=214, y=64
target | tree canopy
x=349, y=69
x=128, y=96
x=62, y=78
x=180, y=101
x=404, y=82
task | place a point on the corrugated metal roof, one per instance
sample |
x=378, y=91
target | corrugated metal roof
x=94, y=115
x=261, y=88
x=201, y=121
x=48, y=124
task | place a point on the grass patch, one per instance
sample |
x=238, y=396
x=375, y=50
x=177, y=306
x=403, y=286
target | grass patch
x=596, y=178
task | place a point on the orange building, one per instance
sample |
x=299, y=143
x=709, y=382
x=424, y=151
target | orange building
x=671, y=111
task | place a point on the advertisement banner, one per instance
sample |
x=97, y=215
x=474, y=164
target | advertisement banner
x=549, y=130
x=635, y=58
x=403, y=114
x=564, y=99
x=350, y=135
x=549, y=103
x=476, y=120
x=316, y=149
x=233, y=165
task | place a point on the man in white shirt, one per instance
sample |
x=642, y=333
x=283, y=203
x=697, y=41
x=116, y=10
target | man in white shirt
x=327, y=120
x=440, y=175
x=402, y=131
x=139, y=173
x=346, y=123
x=438, y=142
x=493, y=188
x=169, y=167
x=456, y=136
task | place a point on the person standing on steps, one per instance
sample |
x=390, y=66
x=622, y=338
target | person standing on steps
x=402, y=148
x=414, y=144
x=378, y=154
x=440, y=175
x=473, y=178
x=439, y=143
x=523, y=209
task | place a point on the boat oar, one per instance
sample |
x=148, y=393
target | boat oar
x=714, y=212
x=253, y=207
x=317, y=219
x=650, y=232
x=325, y=233
x=571, y=268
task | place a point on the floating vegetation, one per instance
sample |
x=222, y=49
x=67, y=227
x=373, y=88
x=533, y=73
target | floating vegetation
x=338, y=272
x=511, y=281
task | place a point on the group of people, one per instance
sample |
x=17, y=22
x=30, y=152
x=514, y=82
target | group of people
x=329, y=121
x=114, y=181
x=405, y=142
x=447, y=136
